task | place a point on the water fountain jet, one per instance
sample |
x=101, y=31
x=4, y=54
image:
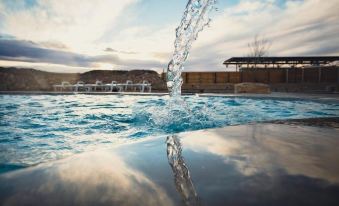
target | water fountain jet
x=194, y=20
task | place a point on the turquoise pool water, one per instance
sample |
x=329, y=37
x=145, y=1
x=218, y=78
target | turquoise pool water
x=35, y=129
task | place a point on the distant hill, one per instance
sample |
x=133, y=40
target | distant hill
x=16, y=79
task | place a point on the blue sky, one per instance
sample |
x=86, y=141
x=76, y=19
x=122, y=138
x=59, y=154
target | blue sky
x=81, y=35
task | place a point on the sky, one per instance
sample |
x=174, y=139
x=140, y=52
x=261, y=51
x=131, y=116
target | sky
x=82, y=35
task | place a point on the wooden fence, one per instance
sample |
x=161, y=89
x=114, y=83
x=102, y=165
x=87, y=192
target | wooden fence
x=268, y=76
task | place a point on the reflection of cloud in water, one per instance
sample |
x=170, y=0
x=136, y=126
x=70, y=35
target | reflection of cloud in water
x=182, y=178
x=99, y=178
x=269, y=148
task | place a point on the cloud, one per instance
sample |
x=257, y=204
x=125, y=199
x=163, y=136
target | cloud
x=73, y=22
x=76, y=27
x=313, y=31
x=108, y=49
x=54, y=45
x=248, y=7
x=144, y=38
x=64, y=34
x=162, y=55
x=28, y=51
x=126, y=63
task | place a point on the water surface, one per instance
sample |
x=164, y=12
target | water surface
x=249, y=165
x=35, y=129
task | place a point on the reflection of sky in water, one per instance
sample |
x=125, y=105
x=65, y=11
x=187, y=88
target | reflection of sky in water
x=35, y=129
x=95, y=178
x=256, y=149
x=244, y=165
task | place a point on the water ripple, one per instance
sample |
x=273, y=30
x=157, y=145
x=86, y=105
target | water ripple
x=35, y=129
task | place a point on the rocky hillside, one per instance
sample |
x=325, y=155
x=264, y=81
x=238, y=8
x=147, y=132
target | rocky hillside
x=15, y=79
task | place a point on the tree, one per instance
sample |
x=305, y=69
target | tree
x=259, y=47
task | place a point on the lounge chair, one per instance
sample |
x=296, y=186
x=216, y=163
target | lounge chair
x=93, y=87
x=129, y=83
x=64, y=85
x=144, y=85
x=99, y=84
x=114, y=85
x=79, y=84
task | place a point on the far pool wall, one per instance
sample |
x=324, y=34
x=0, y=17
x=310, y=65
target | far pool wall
x=299, y=79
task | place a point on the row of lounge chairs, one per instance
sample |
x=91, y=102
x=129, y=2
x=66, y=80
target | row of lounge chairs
x=100, y=86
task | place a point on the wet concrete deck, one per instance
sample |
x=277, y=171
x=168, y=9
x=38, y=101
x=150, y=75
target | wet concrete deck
x=258, y=164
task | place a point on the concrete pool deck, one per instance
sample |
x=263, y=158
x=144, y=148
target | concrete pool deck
x=280, y=163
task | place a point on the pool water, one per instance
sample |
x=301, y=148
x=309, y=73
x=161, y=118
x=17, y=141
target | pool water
x=36, y=129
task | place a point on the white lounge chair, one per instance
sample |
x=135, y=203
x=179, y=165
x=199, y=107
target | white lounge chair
x=98, y=84
x=110, y=87
x=93, y=87
x=79, y=84
x=146, y=84
x=129, y=83
x=63, y=85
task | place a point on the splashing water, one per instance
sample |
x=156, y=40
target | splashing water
x=194, y=20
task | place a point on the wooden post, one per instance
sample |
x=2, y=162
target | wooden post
x=287, y=75
x=215, y=78
x=302, y=75
x=319, y=74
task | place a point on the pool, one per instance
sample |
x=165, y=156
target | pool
x=41, y=128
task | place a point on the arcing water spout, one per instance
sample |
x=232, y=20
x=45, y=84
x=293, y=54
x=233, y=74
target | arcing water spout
x=194, y=20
